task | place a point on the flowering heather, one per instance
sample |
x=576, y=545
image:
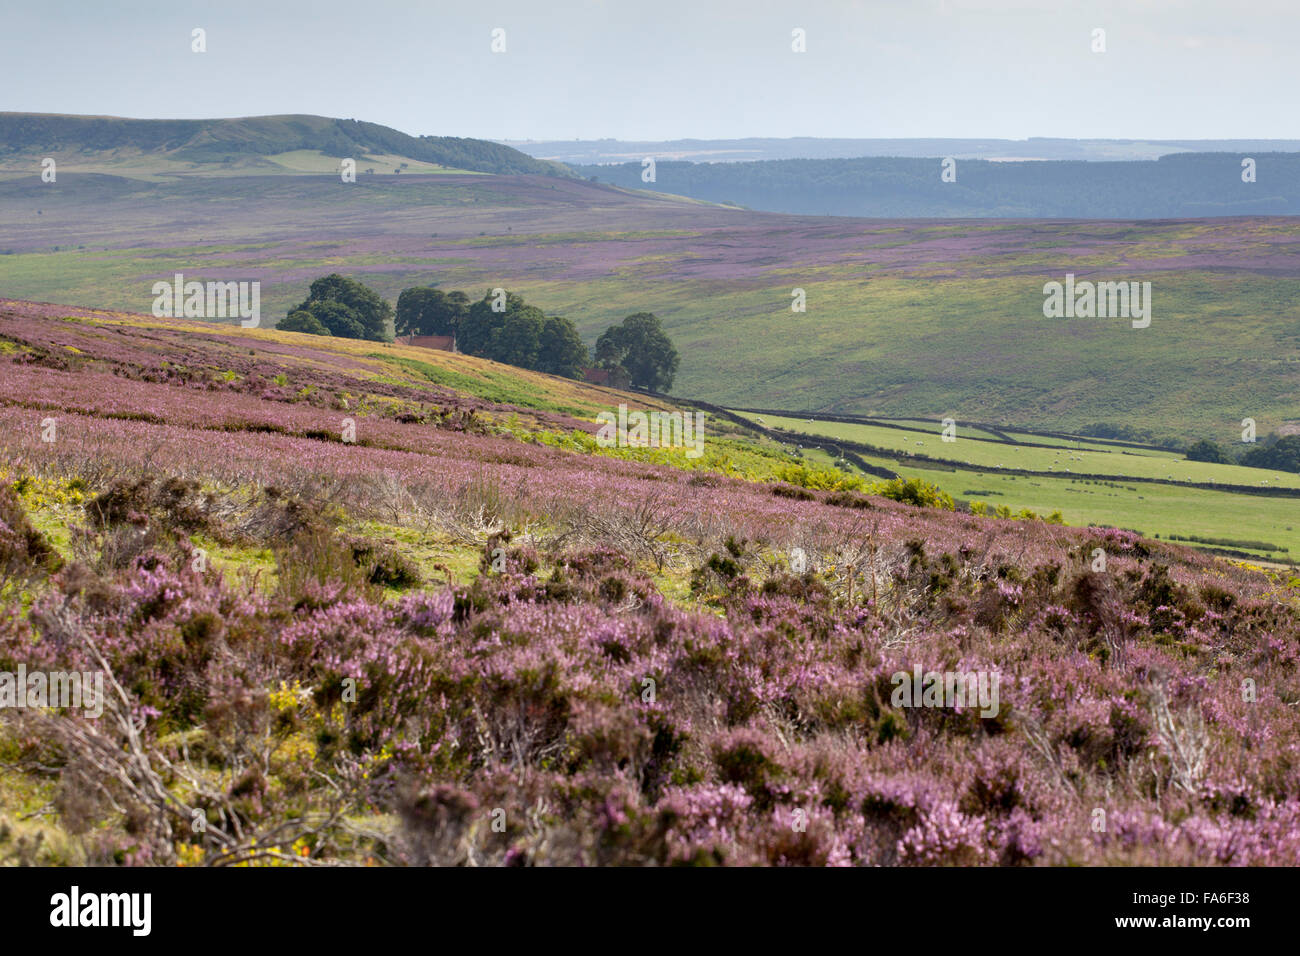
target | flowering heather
x=436, y=645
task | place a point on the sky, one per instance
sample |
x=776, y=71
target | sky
x=668, y=69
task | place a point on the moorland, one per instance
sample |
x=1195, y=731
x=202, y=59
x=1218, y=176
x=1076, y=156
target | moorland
x=364, y=603
x=469, y=634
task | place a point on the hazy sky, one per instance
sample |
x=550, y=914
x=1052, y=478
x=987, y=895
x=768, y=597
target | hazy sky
x=674, y=68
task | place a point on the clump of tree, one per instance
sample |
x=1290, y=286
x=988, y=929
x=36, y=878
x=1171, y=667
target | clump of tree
x=505, y=328
x=337, y=305
x=302, y=320
x=1281, y=454
x=428, y=311
x=1115, y=432
x=1206, y=450
x=639, y=347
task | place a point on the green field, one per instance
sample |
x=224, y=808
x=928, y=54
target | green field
x=906, y=322
x=917, y=319
x=1157, y=508
x=1063, y=458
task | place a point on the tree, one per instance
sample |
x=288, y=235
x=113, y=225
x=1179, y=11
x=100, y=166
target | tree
x=562, y=351
x=481, y=325
x=641, y=347
x=522, y=335
x=347, y=308
x=1282, y=455
x=429, y=311
x=339, y=319
x=303, y=321
x=517, y=338
x=1206, y=450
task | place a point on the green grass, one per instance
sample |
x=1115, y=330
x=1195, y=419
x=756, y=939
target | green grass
x=434, y=553
x=973, y=348
x=896, y=325
x=991, y=453
x=494, y=387
x=1235, y=521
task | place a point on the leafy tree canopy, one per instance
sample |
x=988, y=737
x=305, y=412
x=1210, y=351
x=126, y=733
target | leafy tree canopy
x=641, y=347
x=521, y=334
x=1283, y=455
x=561, y=350
x=429, y=311
x=347, y=308
x=303, y=321
x=1206, y=450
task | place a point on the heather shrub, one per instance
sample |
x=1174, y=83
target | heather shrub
x=944, y=836
x=797, y=836
x=174, y=502
x=1097, y=607
x=793, y=492
x=705, y=822
x=744, y=758
x=382, y=564
x=722, y=572
x=316, y=555
x=719, y=568
x=435, y=825
x=848, y=499
x=804, y=588
x=622, y=661
x=994, y=789
x=119, y=547
x=497, y=556
x=24, y=552
x=278, y=516
x=1114, y=542
x=456, y=687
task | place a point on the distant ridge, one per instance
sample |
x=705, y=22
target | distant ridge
x=220, y=140
x=1176, y=186
x=600, y=151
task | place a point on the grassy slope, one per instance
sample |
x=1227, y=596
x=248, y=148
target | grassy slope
x=150, y=148
x=1160, y=507
x=903, y=318
x=118, y=356
x=156, y=167
x=296, y=384
x=377, y=381
x=386, y=363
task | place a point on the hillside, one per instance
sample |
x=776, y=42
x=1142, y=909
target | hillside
x=251, y=144
x=366, y=651
x=1157, y=492
x=904, y=318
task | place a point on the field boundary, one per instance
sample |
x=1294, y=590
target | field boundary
x=983, y=426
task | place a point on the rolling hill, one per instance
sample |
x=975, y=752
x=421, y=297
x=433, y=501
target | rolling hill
x=258, y=144
x=356, y=596
x=903, y=318
x=1181, y=185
